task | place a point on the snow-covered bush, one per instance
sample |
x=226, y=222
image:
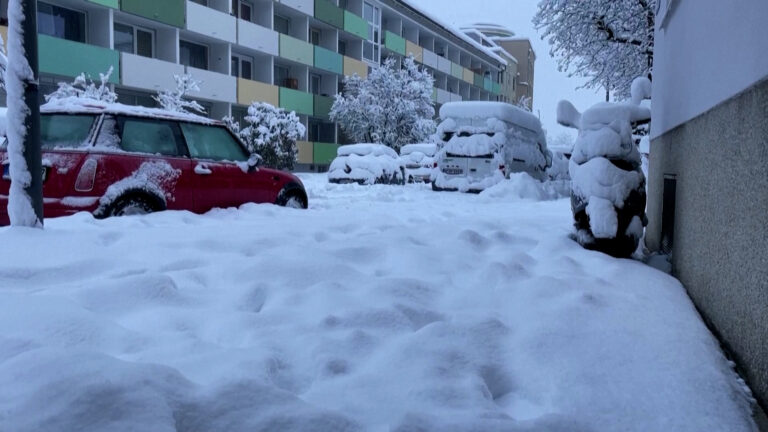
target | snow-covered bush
x=177, y=100
x=272, y=133
x=393, y=106
x=85, y=88
x=608, y=186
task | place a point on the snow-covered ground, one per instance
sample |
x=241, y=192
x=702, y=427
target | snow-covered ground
x=380, y=308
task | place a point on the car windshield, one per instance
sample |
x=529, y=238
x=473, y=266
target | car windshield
x=63, y=131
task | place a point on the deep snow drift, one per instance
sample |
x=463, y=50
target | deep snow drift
x=379, y=308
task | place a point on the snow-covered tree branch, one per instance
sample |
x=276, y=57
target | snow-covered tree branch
x=85, y=88
x=271, y=133
x=177, y=100
x=610, y=42
x=393, y=106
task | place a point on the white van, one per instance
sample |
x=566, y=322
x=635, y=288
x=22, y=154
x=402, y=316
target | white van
x=481, y=143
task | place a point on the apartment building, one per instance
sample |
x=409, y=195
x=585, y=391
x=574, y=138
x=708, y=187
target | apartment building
x=519, y=48
x=291, y=53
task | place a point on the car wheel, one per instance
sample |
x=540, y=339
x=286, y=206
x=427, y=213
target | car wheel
x=294, y=201
x=132, y=205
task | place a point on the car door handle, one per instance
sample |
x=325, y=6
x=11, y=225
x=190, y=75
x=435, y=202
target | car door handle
x=203, y=170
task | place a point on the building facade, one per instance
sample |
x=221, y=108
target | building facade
x=519, y=48
x=708, y=172
x=290, y=53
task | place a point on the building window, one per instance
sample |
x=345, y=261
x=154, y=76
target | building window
x=242, y=67
x=321, y=131
x=134, y=40
x=201, y=2
x=60, y=22
x=372, y=46
x=283, y=78
x=343, y=47
x=193, y=55
x=282, y=25
x=314, y=83
x=242, y=9
x=314, y=36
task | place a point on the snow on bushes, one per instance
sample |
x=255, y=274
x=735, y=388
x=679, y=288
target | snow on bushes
x=177, y=100
x=271, y=133
x=85, y=88
x=608, y=186
x=393, y=106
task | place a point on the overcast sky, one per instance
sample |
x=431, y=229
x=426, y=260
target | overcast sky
x=550, y=85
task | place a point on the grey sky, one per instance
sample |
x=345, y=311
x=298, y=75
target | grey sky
x=550, y=85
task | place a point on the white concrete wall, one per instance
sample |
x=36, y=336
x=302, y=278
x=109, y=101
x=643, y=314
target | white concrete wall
x=210, y=22
x=257, y=37
x=148, y=74
x=706, y=52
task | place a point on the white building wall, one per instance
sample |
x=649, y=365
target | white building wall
x=706, y=51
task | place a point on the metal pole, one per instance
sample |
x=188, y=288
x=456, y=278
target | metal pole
x=32, y=151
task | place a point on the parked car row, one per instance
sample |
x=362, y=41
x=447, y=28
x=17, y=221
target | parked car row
x=113, y=159
x=477, y=145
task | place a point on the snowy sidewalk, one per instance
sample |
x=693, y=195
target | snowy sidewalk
x=379, y=308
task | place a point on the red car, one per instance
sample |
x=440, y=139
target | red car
x=113, y=160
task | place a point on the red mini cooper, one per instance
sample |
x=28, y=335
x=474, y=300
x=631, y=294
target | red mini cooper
x=113, y=160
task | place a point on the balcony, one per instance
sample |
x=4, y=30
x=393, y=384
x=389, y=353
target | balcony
x=257, y=37
x=324, y=153
x=468, y=76
x=394, y=42
x=323, y=106
x=171, y=12
x=210, y=22
x=430, y=58
x=352, y=66
x=296, y=50
x=329, y=13
x=67, y=58
x=444, y=65
x=249, y=91
x=306, y=152
x=416, y=51
x=478, y=81
x=305, y=6
x=443, y=96
x=214, y=86
x=328, y=60
x=457, y=71
x=488, y=84
x=295, y=100
x=355, y=25
x=148, y=73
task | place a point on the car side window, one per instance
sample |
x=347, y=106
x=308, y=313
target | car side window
x=65, y=130
x=149, y=136
x=212, y=143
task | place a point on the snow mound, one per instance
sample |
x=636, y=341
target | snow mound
x=483, y=110
x=521, y=186
x=427, y=149
x=365, y=150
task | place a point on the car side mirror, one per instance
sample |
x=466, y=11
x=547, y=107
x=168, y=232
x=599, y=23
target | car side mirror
x=254, y=162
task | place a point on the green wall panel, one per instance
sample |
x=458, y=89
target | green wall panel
x=295, y=100
x=488, y=84
x=457, y=71
x=329, y=13
x=479, y=80
x=323, y=106
x=171, y=12
x=355, y=25
x=67, y=58
x=329, y=60
x=109, y=3
x=325, y=153
x=394, y=42
x=296, y=50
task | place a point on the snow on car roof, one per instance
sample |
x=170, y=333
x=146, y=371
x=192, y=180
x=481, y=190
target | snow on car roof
x=428, y=149
x=500, y=110
x=366, y=149
x=75, y=105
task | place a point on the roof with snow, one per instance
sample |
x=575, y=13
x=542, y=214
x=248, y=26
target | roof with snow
x=74, y=105
x=366, y=149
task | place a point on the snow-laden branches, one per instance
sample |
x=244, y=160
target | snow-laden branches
x=393, y=106
x=525, y=103
x=176, y=100
x=610, y=42
x=3, y=63
x=271, y=133
x=85, y=88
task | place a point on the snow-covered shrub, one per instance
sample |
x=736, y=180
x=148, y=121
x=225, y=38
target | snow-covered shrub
x=177, y=100
x=85, y=88
x=393, y=106
x=272, y=133
x=608, y=186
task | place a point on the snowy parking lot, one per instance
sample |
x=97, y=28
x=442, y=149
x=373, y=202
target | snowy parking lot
x=379, y=308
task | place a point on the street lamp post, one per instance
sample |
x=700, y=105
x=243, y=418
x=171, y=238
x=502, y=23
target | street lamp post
x=32, y=150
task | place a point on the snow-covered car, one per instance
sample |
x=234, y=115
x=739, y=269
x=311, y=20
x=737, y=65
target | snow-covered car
x=366, y=164
x=608, y=194
x=114, y=160
x=419, y=160
x=481, y=143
